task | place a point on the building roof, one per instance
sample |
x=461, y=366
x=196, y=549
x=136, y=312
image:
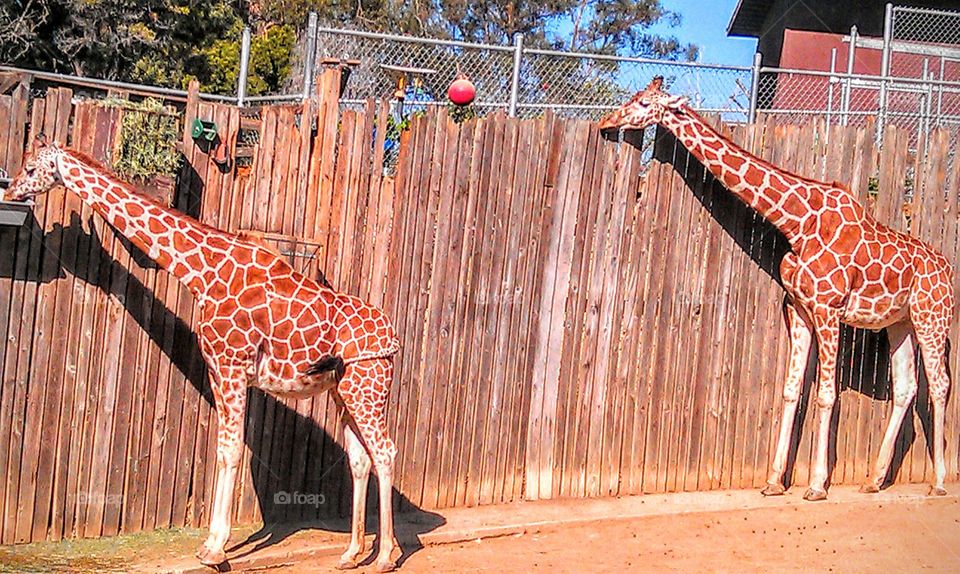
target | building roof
x=748, y=17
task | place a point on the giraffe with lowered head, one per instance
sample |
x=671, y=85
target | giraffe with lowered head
x=261, y=324
x=843, y=267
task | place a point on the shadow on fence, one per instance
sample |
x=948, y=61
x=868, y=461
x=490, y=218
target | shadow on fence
x=270, y=480
x=864, y=355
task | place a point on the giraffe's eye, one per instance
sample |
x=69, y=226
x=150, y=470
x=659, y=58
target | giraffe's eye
x=645, y=102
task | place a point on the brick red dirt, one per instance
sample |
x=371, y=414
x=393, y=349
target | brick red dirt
x=870, y=536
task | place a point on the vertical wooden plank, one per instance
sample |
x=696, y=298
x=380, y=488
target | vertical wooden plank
x=44, y=399
x=543, y=432
x=18, y=343
x=572, y=383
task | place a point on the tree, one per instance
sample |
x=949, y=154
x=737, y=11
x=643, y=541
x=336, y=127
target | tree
x=169, y=42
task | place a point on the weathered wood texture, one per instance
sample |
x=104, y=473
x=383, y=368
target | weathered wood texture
x=573, y=324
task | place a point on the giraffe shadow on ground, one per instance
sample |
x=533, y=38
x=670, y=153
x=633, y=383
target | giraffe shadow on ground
x=299, y=472
x=864, y=359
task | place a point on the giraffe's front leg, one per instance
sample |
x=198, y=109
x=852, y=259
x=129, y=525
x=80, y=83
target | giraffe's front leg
x=800, y=338
x=827, y=325
x=230, y=402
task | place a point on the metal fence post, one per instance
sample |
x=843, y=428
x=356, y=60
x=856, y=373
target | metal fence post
x=244, y=66
x=845, y=93
x=754, y=87
x=515, y=81
x=884, y=70
x=310, y=56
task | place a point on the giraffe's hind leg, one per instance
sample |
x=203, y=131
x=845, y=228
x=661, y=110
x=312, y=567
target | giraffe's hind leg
x=904, y=375
x=364, y=389
x=933, y=348
x=360, y=464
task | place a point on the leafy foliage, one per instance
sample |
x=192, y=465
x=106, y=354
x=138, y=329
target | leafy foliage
x=460, y=114
x=147, y=144
x=170, y=42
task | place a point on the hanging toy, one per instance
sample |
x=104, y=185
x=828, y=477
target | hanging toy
x=462, y=91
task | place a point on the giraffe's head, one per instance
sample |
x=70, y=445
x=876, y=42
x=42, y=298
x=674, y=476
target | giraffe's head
x=39, y=172
x=644, y=109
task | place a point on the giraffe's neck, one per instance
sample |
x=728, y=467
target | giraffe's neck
x=176, y=242
x=782, y=198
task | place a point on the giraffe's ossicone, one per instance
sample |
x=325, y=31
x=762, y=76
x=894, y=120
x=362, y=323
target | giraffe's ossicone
x=262, y=324
x=844, y=266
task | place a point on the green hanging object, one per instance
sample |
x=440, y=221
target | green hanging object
x=204, y=130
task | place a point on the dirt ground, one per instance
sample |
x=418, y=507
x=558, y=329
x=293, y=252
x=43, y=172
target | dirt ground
x=849, y=538
x=848, y=535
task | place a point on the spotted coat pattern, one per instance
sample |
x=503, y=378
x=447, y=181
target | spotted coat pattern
x=261, y=324
x=843, y=267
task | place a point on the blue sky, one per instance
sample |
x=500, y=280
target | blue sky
x=705, y=24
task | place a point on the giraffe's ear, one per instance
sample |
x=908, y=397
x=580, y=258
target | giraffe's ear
x=39, y=142
x=676, y=102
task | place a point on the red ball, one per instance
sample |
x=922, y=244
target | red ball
x=461, y=91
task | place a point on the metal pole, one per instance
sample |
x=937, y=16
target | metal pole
x=244, y=66
x=926, y=99
x=754, y=87
x=845, y=95
x=311, y=55
x=833, y=69
x=884, y=69
x=515, y=81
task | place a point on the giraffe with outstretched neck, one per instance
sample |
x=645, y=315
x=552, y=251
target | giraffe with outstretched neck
x=260, y=324
x=843, y=267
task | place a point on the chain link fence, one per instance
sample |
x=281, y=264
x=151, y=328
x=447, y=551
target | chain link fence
x=917, y=89
x=515, y=79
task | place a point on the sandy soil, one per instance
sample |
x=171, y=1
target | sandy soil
x=907, y=535
x=862, y=537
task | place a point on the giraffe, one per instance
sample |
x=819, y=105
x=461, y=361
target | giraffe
x=260, y=324
x=843, y=267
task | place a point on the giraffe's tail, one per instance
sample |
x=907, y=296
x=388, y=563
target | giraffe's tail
x=326, y=365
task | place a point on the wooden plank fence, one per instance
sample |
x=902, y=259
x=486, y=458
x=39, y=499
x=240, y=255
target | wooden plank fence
x=574, y=323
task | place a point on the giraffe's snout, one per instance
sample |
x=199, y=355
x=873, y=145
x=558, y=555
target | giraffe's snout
x=609, y=125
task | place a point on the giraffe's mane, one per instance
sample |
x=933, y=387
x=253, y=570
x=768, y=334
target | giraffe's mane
x=108, y=172
x=138, y=191
x=247, y=237
x=763, y=162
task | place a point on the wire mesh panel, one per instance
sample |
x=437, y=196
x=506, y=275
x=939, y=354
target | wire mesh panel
x=572, y=84
x=796, y=96
x=422, y=69
x=925, y=44
x=589, y=85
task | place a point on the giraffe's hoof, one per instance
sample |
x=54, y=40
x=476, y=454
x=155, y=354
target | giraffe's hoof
x=346, y=564
x=813, y=495
x=870, y=488
x=210, y=557
x=388, y=566
x=937, y=491
x=773, y=490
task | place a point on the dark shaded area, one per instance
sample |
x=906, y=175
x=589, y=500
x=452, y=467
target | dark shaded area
x=863, y=357
x=291, y=453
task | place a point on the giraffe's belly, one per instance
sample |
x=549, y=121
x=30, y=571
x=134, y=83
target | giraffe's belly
x=284, y=379
x=876, y=312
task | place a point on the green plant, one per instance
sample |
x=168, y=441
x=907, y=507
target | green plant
x=460, y=114
x=147, y=143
